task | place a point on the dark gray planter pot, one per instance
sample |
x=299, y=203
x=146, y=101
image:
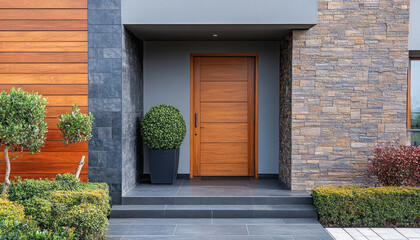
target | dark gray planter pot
x=163, y=165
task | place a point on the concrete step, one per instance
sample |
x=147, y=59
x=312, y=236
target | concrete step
x=213, y=211
x=204, y=200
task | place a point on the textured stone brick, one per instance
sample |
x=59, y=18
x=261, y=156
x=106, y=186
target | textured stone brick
x=357, y=59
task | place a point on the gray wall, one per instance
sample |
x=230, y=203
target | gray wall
x=219, y=12
x=132, y=110
x=105, y=42
x=167, y=81
x=414, y=35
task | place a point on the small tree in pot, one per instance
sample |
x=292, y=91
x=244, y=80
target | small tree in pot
x=76, y=127
x=22, y=124
x=163, y=130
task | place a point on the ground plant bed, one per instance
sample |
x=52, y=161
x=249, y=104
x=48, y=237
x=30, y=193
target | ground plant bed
x=64, y=208
x=351, y=206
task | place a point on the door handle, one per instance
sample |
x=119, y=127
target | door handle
x=195, y=117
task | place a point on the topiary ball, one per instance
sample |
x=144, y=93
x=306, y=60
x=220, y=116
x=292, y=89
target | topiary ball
x=163, y=127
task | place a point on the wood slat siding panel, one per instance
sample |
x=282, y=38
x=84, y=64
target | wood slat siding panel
x=43, y=4
x=44, y=48
x=44, y=68
x=42, y=167
x=68, y=57
x=44, y=78
x=47, y=157
x=31, y=25
x=47, y=90
x=83, y=177
x=51, y=14
x=41, y=36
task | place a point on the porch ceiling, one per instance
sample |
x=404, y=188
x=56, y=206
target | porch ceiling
x=229, y=19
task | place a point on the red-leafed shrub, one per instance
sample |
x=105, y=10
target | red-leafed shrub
x=396, y=165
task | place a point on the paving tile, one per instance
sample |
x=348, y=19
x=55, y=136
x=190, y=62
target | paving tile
x=312, y=237
x=409, y=232
x=300, y=221
x=122, y=230
x=339, y=233
x=251, y=238
x=369, y=233
x=253, y=221
x=158, y=221
x=389, y=234
x=211, y=230
x=355, y=234
x=287, y=230
x=164, y=238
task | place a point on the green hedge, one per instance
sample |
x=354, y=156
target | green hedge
x=29, y=230
x=350, y=206
x=10, y=210
x=48, y=208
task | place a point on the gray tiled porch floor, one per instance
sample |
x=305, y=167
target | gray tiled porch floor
x=213, y=187
x=206, y=191
x=216, y=229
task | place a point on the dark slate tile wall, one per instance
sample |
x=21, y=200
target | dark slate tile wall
x=285, y=113
x=132, y=110
x=105, y=91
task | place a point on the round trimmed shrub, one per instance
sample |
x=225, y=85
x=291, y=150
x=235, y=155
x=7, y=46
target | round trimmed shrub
x=11, y=211
x=75, y=126
x=41, y=211
x=88, y=221
x=163, y=127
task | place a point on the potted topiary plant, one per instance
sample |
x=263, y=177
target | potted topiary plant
x=163, y=130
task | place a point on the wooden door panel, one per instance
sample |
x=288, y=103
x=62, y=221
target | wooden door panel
x=219, y=72
x=224, y=169
x=222, y=120
x=224, y=91
x=223, y=60
x=224, y=153
x=224, y=132
x=224, y=112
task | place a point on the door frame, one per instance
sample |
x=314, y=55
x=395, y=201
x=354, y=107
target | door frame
x=193, y=144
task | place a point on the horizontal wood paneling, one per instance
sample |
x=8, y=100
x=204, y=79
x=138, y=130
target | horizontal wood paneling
x=51, y=14
x=223, y=91
x=224, y=132
x=43, y=68
x=54, y=112
x=224, y=169
x=43, y=4
x=224, y=73
x=43, y=36
x=42, y=168
x=83, y=177
x=47, y=157
x=224, y=153
x=44, y=78
x=224, y=112
x=44, y=48
x=31, y=25
x=43, y=57
x=47, y=90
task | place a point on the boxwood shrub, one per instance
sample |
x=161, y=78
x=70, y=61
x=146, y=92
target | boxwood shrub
x=10, y=210
x=29, y=230
x=351, y=206
x=163, y=127
x=97, y=197
x=88, y=221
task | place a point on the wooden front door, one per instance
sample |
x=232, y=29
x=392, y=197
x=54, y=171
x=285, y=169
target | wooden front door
x=223, y=115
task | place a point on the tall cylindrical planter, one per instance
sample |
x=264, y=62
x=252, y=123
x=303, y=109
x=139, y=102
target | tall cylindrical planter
x=163, y=165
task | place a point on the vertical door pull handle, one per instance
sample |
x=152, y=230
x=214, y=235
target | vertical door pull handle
x=195, y=120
